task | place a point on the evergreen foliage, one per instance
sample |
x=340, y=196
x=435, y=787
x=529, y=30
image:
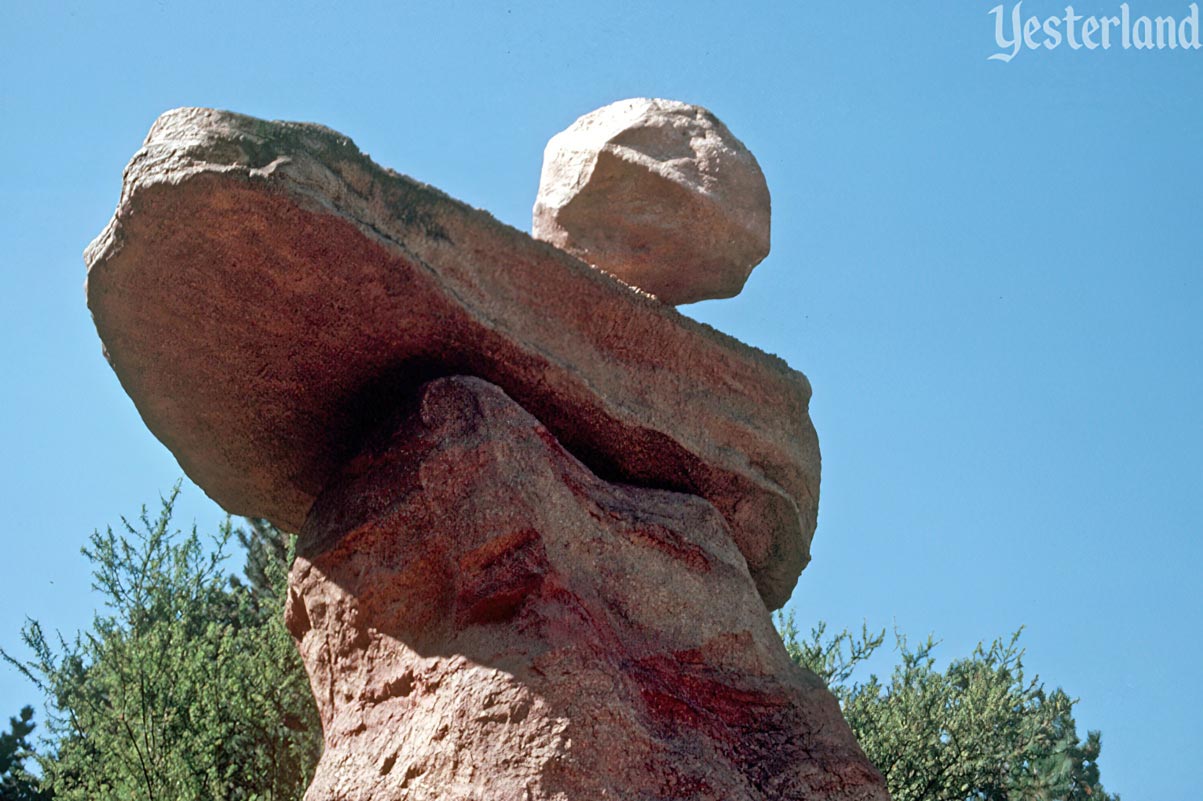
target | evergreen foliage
x=16, y=783
x=188, y=688
x=268, y=557
x=979, y=730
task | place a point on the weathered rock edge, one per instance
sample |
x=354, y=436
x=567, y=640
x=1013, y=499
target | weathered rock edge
x=483, y=618
x=264, y=290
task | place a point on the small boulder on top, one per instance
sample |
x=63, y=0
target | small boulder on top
x=658, y=193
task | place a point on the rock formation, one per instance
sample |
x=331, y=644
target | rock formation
x=658, y=193
x=543, y=516
x=260, y=352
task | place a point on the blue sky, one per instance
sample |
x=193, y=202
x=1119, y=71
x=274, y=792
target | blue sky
x=991, y=273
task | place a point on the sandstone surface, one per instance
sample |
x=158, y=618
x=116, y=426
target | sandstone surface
x=659, y=193
x=484, y=618
x=265, y=293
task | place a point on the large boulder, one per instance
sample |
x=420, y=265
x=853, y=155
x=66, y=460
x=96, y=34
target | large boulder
x=482, y=617
x=265, y=294
x=658, y=193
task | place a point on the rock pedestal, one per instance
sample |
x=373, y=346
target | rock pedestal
x=543, y=516
x=484, y=618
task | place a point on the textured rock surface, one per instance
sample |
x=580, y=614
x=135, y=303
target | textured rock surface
x=265, y=291
x=483, y=618
x=660, y=194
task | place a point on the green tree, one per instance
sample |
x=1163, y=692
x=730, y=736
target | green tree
x=187, y=689
x=190, y=688
x=268, y=557
x=978, y=730
x=16, y=783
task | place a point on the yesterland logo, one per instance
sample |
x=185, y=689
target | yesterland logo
x=1013, y=31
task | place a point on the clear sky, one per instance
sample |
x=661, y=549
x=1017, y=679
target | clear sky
x=992, y=274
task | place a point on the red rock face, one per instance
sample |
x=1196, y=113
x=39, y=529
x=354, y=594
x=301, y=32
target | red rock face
x=483, y=618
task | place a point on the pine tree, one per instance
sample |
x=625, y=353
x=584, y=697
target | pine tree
x=268, y=556
x=978, y=730
x=189, y=688
x=16, y=783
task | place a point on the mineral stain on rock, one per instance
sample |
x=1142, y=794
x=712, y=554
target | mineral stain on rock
x=576, y=639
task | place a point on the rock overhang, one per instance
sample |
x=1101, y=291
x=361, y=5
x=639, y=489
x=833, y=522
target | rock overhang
x=265, y=293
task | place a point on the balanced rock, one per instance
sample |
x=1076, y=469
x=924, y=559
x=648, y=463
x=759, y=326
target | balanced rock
x=265, y=294
x=482, y=617
x=658, y=193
